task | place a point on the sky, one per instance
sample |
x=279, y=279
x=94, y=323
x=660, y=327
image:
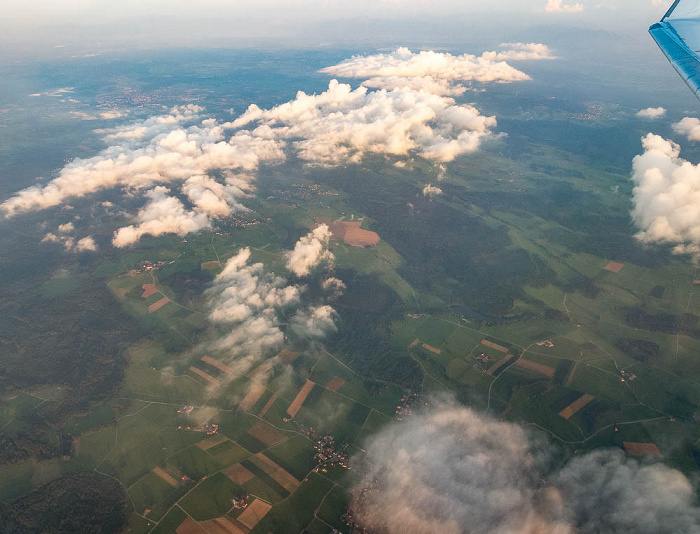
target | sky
x=37, y=24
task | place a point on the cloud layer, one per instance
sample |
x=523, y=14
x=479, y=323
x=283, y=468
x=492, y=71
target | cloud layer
x=189, y=170
x=456, y=472
x=437, y=72
x=246, y=303
x=342, y=125
x=666, y=196
x=161, y=149
x=558, y=6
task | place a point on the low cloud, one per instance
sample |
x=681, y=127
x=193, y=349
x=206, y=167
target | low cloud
x=314, y=323
x=558, y=6
x=246, y=303
x=310, y=251
x=688, y=126
x=666, y=196
x=431, y=190
x=454, y=471
x=63, y=236
x=342, y=125
x=160, y=149
x=162, y=214
x=651, y=113
x=189, y=169
x=438, y=72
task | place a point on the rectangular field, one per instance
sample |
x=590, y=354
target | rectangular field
x=238, y=474
x=335, y=384
x=267, y=406
x=279, y=475
x=300, y=398
x=158, y=305
x=213, y=441
x=641, y=449
x=148, y=290
x=223, y=525
x=190, y=526
x=163, y=474
x=216, y=363
x=536, y=367
x=500, y=363
x=494, y=346
x=266, y=434
x=575, y=406
x=254, y=393
x=252, y=515
x=431, y=349
x=205, y=376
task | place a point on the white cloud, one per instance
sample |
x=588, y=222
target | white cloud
x=651, y=113
x=86, y=244
x=431, y=190
x=521, y=52
x=162, y=214
x=214, y=198
x=66, y=228
x=438, y=72
x=64, y=237
x=246, y=302
x=333, y=286
x=113, y=114
x=314, y=323
x=688, y=126
x=310, y=251
x=341, y=125
x=158, y=150
x=246, y=299
x=558, y=6
x=666, y=196
x=454, y=471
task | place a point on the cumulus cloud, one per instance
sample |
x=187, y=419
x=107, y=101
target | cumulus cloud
x=333, y=286
x=113, y=114
x=651, y=113
x=438, y=72
x=314, y=323
x=341, y=125
x=63, y=236
x=456, y=472
x=246, y=299
x=666, y=196
x=209, y=167
x=310, y=251
x=558, y=6
x=158, y=150
x=688, y=126
x=162, y=214
x=431, y=190
x=246, y=303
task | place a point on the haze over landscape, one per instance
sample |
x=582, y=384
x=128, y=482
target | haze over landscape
x=319, y=267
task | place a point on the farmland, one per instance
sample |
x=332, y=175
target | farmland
x=520, y=291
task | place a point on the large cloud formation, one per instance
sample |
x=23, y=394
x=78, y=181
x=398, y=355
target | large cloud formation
x=246, y=303
x=310, y=251
x=456, y=472
x=437, y=72
x=189, y=170
x=342, y=125
x=666, y=196
x=688, y=126
x=158, y=150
